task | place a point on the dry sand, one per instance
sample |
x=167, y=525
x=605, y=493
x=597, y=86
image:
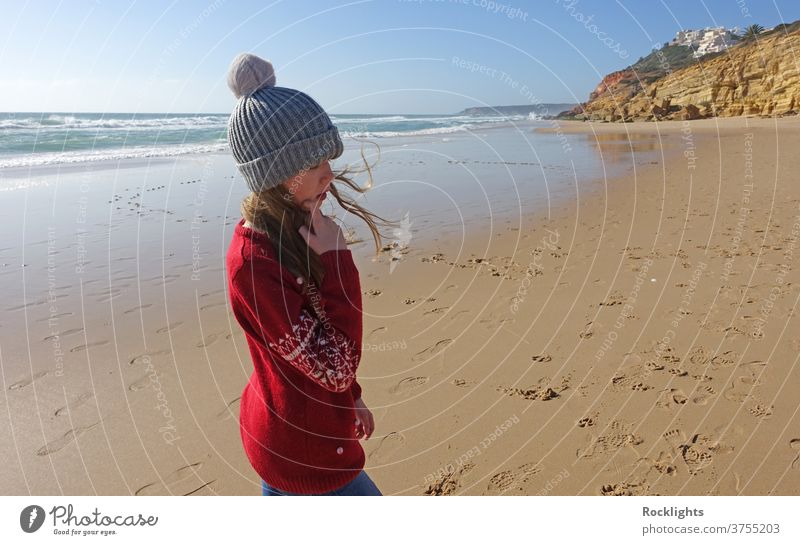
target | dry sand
x=640, y=338
x=653, y=351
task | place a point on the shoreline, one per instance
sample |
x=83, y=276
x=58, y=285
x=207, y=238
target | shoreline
x=709, y=124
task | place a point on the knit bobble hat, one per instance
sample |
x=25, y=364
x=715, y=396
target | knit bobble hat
x=275, y=132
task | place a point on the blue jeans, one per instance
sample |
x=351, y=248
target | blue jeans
x=362, y=485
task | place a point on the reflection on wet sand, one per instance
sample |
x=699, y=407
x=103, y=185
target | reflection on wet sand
x=624, y=147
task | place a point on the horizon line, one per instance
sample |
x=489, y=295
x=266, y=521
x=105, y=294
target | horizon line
x=229, y=113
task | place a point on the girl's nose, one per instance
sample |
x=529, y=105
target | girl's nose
x=326, y=168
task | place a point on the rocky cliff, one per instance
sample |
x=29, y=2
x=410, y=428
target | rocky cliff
x=760, y=77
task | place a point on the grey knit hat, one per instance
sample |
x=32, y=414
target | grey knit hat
x=275, y=132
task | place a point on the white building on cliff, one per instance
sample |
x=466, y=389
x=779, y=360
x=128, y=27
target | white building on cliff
x=707, y=40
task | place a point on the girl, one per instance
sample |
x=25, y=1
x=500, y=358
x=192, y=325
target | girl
x=295, y=291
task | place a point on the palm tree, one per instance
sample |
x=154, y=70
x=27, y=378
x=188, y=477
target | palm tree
x=750, y=33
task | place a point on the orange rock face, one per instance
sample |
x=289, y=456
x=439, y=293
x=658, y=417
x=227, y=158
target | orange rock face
x=761, y=77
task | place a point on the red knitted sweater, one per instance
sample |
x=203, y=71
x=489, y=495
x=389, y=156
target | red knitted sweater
x=297, y=415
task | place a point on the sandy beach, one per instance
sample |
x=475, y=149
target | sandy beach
x=628, y=333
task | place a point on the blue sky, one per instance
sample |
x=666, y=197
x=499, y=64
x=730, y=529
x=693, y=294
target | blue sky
x=364, y=56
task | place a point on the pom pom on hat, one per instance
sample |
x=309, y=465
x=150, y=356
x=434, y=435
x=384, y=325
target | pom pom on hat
x=275, y=132
x=248, y=73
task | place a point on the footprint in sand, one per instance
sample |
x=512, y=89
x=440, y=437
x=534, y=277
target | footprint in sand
x=753, y=365
x=107, y=295
x=77, y=402
x=28, y=381
x=699, y=356
x=54, y=316
x=64, y=440
x=408, y=384
x=695, y=455
x=725, y=359
x=633, y=488
x=587, y=332
x=437, y=310
x=165, y=279
x=388, y=446
x=432, y=351
x=142, y=382
x=82, y=347
x=211, y=488
x=169, y=327
x=230, y=410
x=740, y=389
x=541, y=391
x=500, y=482
x=759, y=409
x=703, y=395
x=616, y=298
x=670, y=358
x=662, y=465
x=588, y=421
x=209, y=339
x=633, y=377
x=696, y=452
x=448, y=483
x=148, y=357
x=795, y=446
x=616, y=436
x=212, y=305
x=62, y=334
x=496, y=321
x=137, y=309
x=677, y=371
x=454, y=317
x=212, y=293
x=541, y=358
x=27, y=305
x=671, y=398
x=160, y=488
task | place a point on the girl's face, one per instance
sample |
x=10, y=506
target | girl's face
x=309, y=188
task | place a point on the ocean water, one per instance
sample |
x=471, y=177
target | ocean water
x=445, y=180
x=53, y=138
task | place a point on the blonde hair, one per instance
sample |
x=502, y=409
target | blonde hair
x=274, y=212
